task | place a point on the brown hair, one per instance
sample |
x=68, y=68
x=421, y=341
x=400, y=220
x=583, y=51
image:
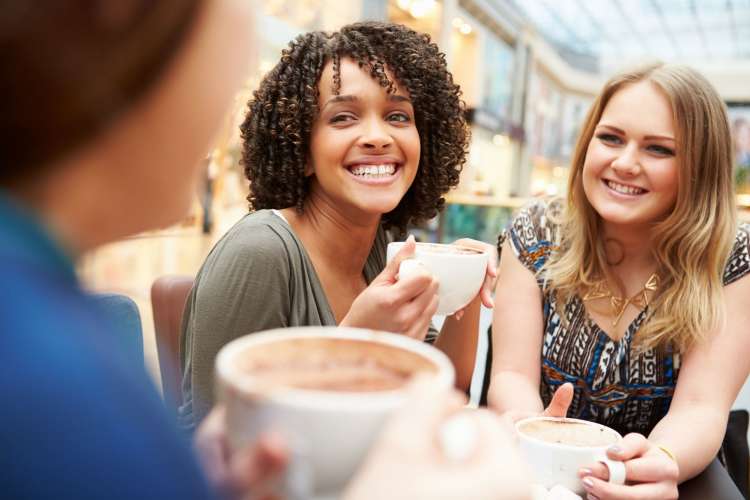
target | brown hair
x=70, y=66
x=276, y=130
x=692, y=244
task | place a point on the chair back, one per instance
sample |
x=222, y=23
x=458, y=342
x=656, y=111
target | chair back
x=127, y=327
x=168, y=297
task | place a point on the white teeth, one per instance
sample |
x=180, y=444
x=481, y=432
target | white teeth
x=621, y=188
x=374, y=170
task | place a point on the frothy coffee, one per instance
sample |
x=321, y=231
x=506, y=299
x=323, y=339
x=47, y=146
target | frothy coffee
x=569, y=432
x=451, y=249
x=331, y=365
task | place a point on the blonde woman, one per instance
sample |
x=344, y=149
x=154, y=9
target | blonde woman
x=633, y=292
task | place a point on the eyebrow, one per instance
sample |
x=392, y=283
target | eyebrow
x=648, y=137
x=354, y=98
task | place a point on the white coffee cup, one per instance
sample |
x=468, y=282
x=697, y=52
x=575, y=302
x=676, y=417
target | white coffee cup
x=459, y=270
x=328, y=430
x=556, y=448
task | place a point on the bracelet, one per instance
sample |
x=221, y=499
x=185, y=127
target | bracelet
x=668, y=452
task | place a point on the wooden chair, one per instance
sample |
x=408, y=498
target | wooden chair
x=168, y=297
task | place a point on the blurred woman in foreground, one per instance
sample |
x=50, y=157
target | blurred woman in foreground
x=108, y=109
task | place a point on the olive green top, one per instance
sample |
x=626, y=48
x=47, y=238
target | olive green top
x=257, y=277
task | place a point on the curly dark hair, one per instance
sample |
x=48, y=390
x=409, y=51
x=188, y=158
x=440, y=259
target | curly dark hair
x=276, y=130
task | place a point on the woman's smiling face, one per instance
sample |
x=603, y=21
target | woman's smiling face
x=364, y=144
x=630, y=175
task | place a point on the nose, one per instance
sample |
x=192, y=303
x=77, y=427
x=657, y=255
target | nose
x=627, y=162
x=374, y=134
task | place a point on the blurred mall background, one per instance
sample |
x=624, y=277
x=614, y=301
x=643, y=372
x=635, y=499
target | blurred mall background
x=528, y=69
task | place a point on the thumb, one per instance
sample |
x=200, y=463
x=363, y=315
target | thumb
x=407, y=251
x=561, y=400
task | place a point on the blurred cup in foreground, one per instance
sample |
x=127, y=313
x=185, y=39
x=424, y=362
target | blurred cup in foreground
x=327, y=390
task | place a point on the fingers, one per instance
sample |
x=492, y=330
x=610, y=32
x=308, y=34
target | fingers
x=258, y=469
x=211, y=448
x=391, y=269
x=428, y=405
x=561, y=400
x=633, y=445
x=596, y=488
x=423, y=309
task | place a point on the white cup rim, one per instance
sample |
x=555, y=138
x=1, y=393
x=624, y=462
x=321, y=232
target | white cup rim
x=352, y=402
x=472, y=252
x=561, y=446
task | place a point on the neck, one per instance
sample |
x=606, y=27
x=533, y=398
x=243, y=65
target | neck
x=631, y=253
x=330, y=235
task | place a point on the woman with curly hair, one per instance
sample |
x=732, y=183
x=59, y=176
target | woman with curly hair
x=351, y=134
x=633, y=297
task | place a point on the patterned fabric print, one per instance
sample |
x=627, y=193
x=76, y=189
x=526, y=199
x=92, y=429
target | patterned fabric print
x=627, y=390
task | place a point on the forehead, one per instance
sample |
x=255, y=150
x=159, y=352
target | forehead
x=640, y=105
x=355, y=80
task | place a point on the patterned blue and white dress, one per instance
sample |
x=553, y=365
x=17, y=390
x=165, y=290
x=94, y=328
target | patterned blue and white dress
x=627, y=390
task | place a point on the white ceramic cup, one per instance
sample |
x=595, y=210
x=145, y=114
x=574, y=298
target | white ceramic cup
x=328, y=431
x=555, y=460
x=460, y=271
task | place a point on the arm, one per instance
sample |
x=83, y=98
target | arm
x=710, y=378
x=459, y=334
x=242, y=288
x=458, y=340
x=517, y=327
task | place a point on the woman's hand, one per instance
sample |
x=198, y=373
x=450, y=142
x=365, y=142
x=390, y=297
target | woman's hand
x=485, y=293
x=650, y=473
x=558, y=407
x=396, y=305
x=252, y=473
x=411, y=461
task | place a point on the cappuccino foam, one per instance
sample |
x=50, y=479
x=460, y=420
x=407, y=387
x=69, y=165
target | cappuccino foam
x=570, y=433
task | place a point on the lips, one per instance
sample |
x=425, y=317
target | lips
x=624, y=189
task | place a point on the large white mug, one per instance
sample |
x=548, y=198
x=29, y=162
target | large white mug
x=326, y=390
x=459, y=270
x=556, y=448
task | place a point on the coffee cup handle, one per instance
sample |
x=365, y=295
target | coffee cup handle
x=616, y=468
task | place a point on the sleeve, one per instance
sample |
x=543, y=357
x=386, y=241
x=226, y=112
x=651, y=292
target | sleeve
x=738, y=264
x=243, y=287
x=532, y=234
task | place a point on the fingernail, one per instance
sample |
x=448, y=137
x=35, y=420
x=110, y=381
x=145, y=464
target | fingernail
x=615, y=449
x=592, y=497
x=588, y=482
x=585, y=472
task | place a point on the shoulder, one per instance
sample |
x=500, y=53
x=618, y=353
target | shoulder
x=738, y=264
x=258, y=240
x=533, y=232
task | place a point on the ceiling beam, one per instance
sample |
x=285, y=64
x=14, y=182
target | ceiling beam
x=701, y=32
x=598, y=25
x=629, y=21
x=667, y=30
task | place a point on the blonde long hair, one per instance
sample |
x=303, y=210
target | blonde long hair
x=692, y=244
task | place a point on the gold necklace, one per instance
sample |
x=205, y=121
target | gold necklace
x=619, y=304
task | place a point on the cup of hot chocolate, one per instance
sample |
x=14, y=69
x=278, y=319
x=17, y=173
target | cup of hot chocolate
x=326, y=390
x=556, y=448
x=459, y=270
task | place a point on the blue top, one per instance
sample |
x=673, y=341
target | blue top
x=78, y=419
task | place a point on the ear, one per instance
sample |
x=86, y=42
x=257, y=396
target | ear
x=309, y=169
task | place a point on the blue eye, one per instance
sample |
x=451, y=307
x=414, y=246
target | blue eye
x=661, y=150
x=609, y=138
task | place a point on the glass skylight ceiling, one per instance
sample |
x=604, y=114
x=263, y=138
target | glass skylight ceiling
x=621, y=31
